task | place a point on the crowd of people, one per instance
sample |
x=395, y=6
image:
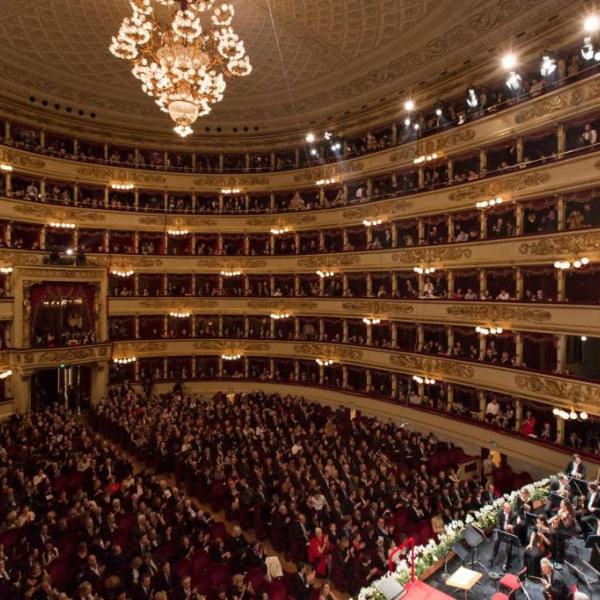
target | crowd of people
x=330, y=491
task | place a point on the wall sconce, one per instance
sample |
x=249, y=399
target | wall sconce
x=122, y=186
x=425, y=158
x=324, y=274
x=322, y=182
x=231, y=356
x=564, y=265
x=6, y=373
x=278, y=316
x=425, y=380
x=231, y=273
x=324, y=363
x=489, y=203
x=5, y=167
x=424, y=270
x=62, y=225
x=6, y=270
x=229, y=191
x=372, y=222
x=118, y=273
x=572, y=415
x=280, y=231
x=489, y=330
x=179, y=315
x=124, y=361
x=367, y=321
x=176, y=232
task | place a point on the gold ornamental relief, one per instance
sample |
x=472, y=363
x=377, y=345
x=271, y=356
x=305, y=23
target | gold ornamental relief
x=231, y=347
x=571, y=392
x=281, y=220
x=500, y=313
x=429, y=255
x=21, y=159
x=176, y=304
x=130, y=175
x=511, y=183
x=231, y=181
x=281, y=306
x=377, y=210
x=17, y=258
x=227, y=264
x=190, y=221
x=43, y=211
x=136, y=262
x=377, y=307
x=74, y=273
x=330, y=172
x=329, y=350
x=432, y=366
x=566, y=244
x=445, y=142
x=328, y=262
x=78, y=354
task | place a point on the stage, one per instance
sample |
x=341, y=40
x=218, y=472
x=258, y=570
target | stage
x=421, y=591
x=487, y=587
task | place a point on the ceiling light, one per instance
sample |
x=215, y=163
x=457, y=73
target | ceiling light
x=591, y=24
x=231, y=273
x=324, y=274
x=279, y=230
x=278, y=316
x=119, y=273
x=62, y=225
x=182, y=63
x=6, y=270
x=407, y=122
x=177, y=232
x=509, y=61
x=409, y=105
x=229, y=191
x=122, y=186
x=6, y=373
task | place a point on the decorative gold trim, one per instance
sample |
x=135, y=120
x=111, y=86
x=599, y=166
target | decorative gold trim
x=571, y=392
x=175, y=303
x=280, y=220
x=231, y=264
x=500, y=313
x=330, y=172
x=566, y=244
x=231, y=180
x=377, y=307
x=378, y=210
x=493, y=187
x=432, y=254
x=130, y=175
x=51, y=213
x=282, y=305
x=21, y=159
x=329, y=350
x=231, y=346
x=432, y=366
x=328, y=262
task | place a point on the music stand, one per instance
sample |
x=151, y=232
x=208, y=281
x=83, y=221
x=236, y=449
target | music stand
x=511, y=541
x=580, y=576
x=473, y=537
x=593, y=541
x=578, y=486
x=530, y=519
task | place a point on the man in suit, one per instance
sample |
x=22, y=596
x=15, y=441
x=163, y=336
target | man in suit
x=163, y=580
x=554, y=586
x=576, y=472
x=302, y=582
x=589, y=516
x=143, y=590
x=507, y=521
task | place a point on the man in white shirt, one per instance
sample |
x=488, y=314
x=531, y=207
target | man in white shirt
x=589, y=135
x=492, y=410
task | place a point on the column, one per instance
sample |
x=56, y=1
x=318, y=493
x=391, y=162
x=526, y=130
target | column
x=520, y=150
x=105, y=150
x=560, y=285
x=220, y=368
x=394, y=340
x=106, y=197
x=482, y=404
x=421, y=176
x=136, y=285
x=368, y=381
x=482, y=345
x=165, y=283
x=296, y=371
x=321, y=329
x=8, y=180
x=394, y=382
x=482, y=282
x=194, y=334
x=518, y=414
x=7, y=131
x=321, y=286
x=450, y=279
x=394, y=284
x=136, y=199
x=345, y=288
x=345, y=239
x=519, y=348
x=76, y=193
x=43, y=238
x=165, y=326
x=482, y=225
x=519, y=284
x=272, y=329
x=450, y=170
x=221, y=203
x=296, y=328
x=420, y=337
x=369, y=237
x=8, y=231
x=561, y=141
x=369, y=187
x=369, y=335
x=369, y=285
x=99, y=381
x=221, y=162
x=136, y=242
x=297, y=242
x=394, y=235
x=449, y=397
x=220, y=326
x=450, y=338
x=21, y=384
x=271, y=284
x=421, y=230
x=421, y=390
x=561, y=352
x=344, y=376
x=482, y=160
x=136, y=327
x=220, y=285
x=321, y=240
x=345, y=331
x=296, y=285
x=394, y=134
x=246, y=367
x=450, y=226
x=272, y=245
x=560, y=430
x=43, y=189
x=106, y=240
x=561, y=213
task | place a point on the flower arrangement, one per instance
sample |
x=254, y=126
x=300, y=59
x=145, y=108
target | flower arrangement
x=428, y=554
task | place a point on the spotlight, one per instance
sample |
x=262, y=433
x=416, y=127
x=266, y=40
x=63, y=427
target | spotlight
x=548, y=66
x=509, y=61
x=591, y=24
x=310, y=138
x=409, y=105
x=313, y=151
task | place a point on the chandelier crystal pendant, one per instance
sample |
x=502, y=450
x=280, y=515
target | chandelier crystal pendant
x=182, y=52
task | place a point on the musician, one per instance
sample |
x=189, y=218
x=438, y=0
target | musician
x=523, y=506
x=507, y=521
x=595, y=556
x=540, y=542
x=590, y=512
x=576, y=472
x=554, y=587
x=563, y=525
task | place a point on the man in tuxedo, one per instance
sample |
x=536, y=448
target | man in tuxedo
x=555, y=587
x=589, y=516
x=507, y=521
x=576, y=472
x=302, y=582
x=143, y=590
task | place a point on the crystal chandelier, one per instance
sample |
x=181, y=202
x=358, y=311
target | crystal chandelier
x=182, y=51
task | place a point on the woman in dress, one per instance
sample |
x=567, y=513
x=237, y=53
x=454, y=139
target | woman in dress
x=539, y=544
x=319, y=552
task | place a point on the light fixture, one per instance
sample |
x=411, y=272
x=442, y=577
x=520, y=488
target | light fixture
x=279, y=230
x=119, y=273
x=548, y=66
x=565, y=265
x=425, y=158
x=591, y=24
x=509, y=61
x=336, y=147
x=324, y=274
x=489, y=330
x=179, y=315
x=62, y=225
x=439, y=112
x=409, y=105
x=328, y=135
x=425, y=380
x=583, y=338
x=368, y=321
x=416, y=126
x=183, y=61
x=424, y=270
x=122, y=186
x=231, y=356
x=310, y=138
x=313, y=151
x=571, y=415
x=229, y=191
x=5, y=167
x=514, y=81
x=483, y=204
x=407, y=122
x=177, y=232
x=278, y=316
x=324, y=363
x=322, y=182
x=6, y=373
x=6, y=270
x=231, y=273
x=124, y=361
x=372, y=222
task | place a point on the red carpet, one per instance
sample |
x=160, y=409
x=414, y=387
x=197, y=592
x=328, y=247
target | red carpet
x=421, y=591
